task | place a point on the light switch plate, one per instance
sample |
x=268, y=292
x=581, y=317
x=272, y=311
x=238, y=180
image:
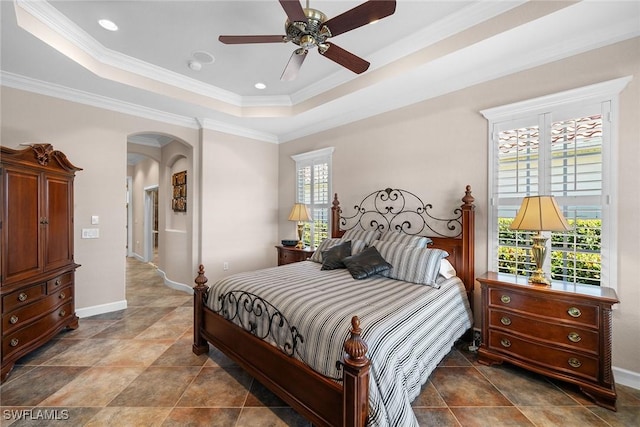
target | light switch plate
x=95, y=220
x=90, y=233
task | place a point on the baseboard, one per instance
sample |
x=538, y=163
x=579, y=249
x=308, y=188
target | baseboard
x=625, y=377
x=101, y=309
x=175, y=285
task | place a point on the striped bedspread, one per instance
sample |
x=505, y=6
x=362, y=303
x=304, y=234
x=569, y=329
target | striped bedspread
x=409, y=328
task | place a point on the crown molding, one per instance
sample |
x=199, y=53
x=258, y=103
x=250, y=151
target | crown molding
x=73, y=95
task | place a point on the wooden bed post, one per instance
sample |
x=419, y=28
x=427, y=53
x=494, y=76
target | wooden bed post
x=355, y=378
x=335, y=218
x=200, y=345
x=468, y=239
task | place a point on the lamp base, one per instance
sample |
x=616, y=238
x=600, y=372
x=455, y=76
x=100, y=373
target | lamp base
x=539, y=252
x=300, y=244
x=538, y=278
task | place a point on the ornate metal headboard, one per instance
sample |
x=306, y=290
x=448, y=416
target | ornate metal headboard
x=404, y=212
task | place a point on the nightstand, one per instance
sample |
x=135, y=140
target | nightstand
x=562, y=331
x=290, y=254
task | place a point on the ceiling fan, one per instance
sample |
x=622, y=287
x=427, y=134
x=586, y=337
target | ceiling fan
x=309, y=28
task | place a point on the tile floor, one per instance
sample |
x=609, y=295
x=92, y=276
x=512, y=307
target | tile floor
x=135, y=368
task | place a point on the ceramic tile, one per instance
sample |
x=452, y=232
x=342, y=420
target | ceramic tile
x=566, y=416
x=38, y=384
x=440, y=417
x=460, y=386
x=524, y=388
x=156, y=386
x=49, y=416
x=135, y=353
x=490, y=416
x=625, y=416
x=126, y=416
x=273, y=417
x=217, y=387
x=96, y=386
x=202, y=417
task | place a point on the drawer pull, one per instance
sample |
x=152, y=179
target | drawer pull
x=505, y=342
x=62, y=313
x=574, y=312
x=574, y=363
x=62, y=295
x=505, y=299
x=22, y=297
x=505, y=321
x=13, y=320
x=574, y=337
x=57, y=283
x=14, y=342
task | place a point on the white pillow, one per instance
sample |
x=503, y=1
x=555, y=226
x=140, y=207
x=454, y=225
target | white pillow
x=446, y=269
x=406, y=239
x=367, y=236
x=411, y=264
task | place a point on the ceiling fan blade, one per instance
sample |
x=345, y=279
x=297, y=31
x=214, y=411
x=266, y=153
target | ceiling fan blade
x=363, y=14
x=293, y=66
x=345, y=58
x=251, y=39
x=294, y=10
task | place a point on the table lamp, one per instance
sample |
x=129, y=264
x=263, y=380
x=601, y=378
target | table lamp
x=539, y=213
x=300, y=213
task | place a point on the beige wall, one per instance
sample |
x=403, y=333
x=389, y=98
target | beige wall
x=239, y=203
x=436, y=147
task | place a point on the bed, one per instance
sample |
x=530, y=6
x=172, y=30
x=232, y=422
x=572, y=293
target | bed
x=344, y=351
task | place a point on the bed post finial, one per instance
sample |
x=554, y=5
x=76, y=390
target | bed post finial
x=355, y=380
x=200, y=345
x=468, y=199
x=335, y=217
x=355, y=347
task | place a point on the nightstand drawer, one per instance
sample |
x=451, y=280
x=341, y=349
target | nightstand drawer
x=570, y=337
x=550, y=358
x=555, y=309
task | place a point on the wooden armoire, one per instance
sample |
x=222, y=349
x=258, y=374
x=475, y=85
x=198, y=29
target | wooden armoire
x=37, y=267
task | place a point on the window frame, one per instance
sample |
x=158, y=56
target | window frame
x=541, y=110
x=310, y=158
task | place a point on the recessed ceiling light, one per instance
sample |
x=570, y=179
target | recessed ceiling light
x=260, y=86
x=108, y=25
x=203, y=57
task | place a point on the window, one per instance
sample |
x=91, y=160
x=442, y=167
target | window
x=313, y=188
x=561, y=145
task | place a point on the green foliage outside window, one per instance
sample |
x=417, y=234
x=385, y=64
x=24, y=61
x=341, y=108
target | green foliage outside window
x=583, y=262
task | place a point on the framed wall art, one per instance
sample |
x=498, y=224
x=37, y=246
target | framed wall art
x=179, y=200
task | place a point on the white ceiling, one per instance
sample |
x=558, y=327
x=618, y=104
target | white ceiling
x=427, y=48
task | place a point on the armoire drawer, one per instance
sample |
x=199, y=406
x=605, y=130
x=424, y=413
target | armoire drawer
x=21, y=316
x=21, y=338
x=23, y=297
x=60, y=282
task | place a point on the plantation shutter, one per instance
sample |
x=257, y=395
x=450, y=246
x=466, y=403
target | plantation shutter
x=313, y=188
x=561, y=153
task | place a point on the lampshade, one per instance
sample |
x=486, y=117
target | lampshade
x=539, y=213
x=300, y=213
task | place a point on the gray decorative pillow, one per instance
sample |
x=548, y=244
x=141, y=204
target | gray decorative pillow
x=365, y=264
x=332, y=258
x=325, y=245
x=367, y=236
x=406, y=239
x=416, y=265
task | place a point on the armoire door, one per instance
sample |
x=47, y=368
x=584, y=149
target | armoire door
x=58, y=214
x=21, y=228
